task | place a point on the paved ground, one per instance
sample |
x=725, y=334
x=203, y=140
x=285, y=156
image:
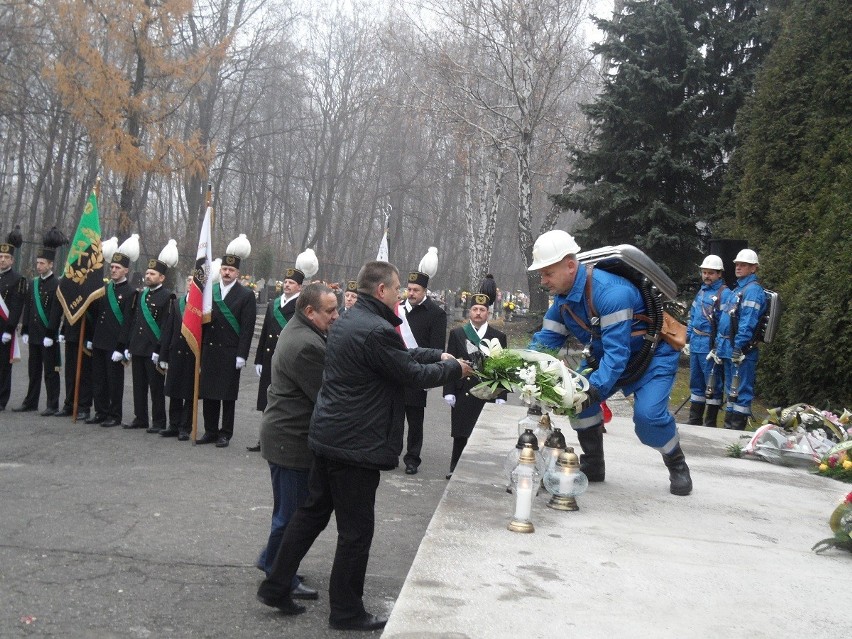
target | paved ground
x=118, y=533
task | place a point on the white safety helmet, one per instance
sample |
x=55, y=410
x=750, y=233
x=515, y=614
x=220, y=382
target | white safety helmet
x=747, y=256
x=713, y=262
x=551, y=247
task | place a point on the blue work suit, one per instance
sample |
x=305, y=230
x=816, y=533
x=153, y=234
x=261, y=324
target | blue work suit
x=616, y=301
x=700, y=335
x=747, y=302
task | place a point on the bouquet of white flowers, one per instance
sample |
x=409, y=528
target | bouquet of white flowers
x=539, y=377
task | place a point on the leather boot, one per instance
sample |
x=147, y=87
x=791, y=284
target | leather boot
x=680, y=481
x=696, y=412
x=739, y=421
x=592, y=459
x=711, y=414
x=729, y=415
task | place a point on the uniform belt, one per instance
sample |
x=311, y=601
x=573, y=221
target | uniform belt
x=700, y=332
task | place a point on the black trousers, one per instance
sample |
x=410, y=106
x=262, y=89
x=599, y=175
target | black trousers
x=211, y=409
x=107, y=384
x=414, y=443
x=5, y=373
x=146, y=378
x=43, y=362
x=349, y=492
x=84, y=400
x=180, y=414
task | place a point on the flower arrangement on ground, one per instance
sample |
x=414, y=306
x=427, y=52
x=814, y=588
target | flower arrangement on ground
x=539, y=377
x=837, y=463
x=840, y=523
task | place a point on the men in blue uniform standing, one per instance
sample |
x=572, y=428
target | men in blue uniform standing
x=619, y=334
x=705, y=375
x=40, y=329
x=735, y=341
x=13, y=293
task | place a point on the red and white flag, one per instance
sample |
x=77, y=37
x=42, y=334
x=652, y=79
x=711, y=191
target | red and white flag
x=199, y=301
x=14, y=345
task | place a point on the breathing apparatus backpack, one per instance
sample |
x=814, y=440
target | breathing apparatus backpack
x=767, y=325
x=633, y=265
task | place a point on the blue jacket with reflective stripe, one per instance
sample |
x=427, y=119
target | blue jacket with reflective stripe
x=703, y=308
x=616, y=301
x=752, y=302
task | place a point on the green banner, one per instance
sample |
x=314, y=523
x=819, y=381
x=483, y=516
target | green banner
x=82, y=280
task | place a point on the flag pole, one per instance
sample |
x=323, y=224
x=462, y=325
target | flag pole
x=79, y=366
x=197, y=373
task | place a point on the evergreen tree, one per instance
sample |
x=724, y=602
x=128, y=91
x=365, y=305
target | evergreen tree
x=662, y=126
x=791, y=200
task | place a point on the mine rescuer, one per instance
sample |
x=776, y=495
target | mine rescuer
x=616, y=331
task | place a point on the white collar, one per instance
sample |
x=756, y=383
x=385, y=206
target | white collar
x=151, y=289
x=481, y=330
x=226, y=289
x=44, y=277
x=284, y=299
x=409, y=306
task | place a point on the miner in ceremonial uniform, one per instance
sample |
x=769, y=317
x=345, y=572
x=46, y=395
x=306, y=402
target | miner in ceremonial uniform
x=428, y=329
x=40, y=328
x=69, y=334
x=350, y=296
x=149, y=313
x=464, y=342
x=111, y=311
x=226, y=341
x=13, y=293
x=177, y=361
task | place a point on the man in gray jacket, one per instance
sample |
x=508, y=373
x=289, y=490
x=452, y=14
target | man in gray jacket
x=297, y=365
x=356, y=431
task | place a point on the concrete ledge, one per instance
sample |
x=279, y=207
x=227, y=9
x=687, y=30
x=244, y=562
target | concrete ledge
x=731, y=560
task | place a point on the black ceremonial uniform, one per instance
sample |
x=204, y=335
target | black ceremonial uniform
x=180, y=374
x=71, y=334
x=149, y=313
x=222, y=344
x=13, y=289
x=467, y=409
x=428, y=323
x=268, y=339
x=41, y=319
x=108, y=376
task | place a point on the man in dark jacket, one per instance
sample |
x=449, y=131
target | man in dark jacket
x=356, y=431
x=297, y=366
x=13, y=295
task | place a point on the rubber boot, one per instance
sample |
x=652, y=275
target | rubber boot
x=739, y=421
x=696, y=412
x=680, y=481
x=592, y=459
x=729, y=424
x=710, y=415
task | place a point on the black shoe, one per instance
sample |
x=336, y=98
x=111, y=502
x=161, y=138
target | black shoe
x=448, y=476
x=134, y=425
x=112, y=422
x=48, y=412
x=64, y=412
x=154, y=430
x=183, y=436
x=24, y=409
x=679, y=478
x=303, y=592
x=364, y=622
x=207, y=438
x=83, y=415
x=268, y=597
x=169, y=432
x=96, y=419
x=254, y=449
x=410, y=469
x=222, y=442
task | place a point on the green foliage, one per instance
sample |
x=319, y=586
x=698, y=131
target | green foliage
x=662, y=127
x=265, y=262
x=791, y=200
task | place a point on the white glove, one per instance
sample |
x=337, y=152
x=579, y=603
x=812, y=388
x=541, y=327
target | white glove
x=25, y=338
x=7, y=337
x=47, y=342
x=499, y=401
x=155, y=357
x=240, y=363
x=258, y=368
x=61, y=339
x=451, y=400
x=685, y=349
x=737, y=356
x=117, y=356
x=88, y=346
x=712, y=355
x=163, y=365
x=127, y=354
